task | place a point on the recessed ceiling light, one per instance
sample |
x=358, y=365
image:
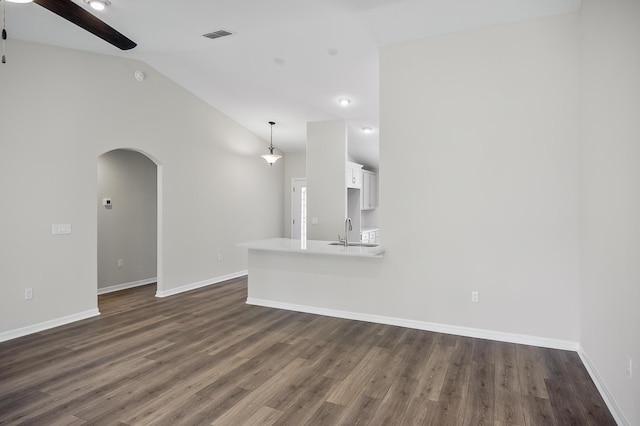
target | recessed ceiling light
x=19, y=1
x=344, y=101
x=367, y=130
x=98, y=4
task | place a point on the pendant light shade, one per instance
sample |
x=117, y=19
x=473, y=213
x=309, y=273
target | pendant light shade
x=271, y=157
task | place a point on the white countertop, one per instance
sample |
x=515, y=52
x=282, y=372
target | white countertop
x=368, y=229
x=312, y=247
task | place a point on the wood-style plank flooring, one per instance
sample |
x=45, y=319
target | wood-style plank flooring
x=205, y=357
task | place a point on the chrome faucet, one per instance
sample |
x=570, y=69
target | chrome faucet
x=347, y=228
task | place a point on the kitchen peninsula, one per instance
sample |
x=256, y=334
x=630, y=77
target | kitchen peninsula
x=311, y=276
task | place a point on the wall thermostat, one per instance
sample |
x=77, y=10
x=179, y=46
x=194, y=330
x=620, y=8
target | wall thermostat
x=106, y=202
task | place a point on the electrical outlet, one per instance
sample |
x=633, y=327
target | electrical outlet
x=629, y=367
x=219, y=257
x=120, y=263
x=474, y=296
x=28, y=293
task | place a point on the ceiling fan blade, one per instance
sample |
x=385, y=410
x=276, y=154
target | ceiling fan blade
x=79, y=16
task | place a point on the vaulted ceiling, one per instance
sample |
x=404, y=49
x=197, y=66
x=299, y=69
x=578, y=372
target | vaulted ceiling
x=287, y=60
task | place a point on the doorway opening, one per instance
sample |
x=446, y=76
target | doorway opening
x=129, y=221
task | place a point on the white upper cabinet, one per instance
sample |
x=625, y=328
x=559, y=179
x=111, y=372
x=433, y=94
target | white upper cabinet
x=368, y=190
x=353, y=175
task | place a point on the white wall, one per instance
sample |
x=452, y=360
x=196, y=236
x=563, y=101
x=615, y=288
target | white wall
x=56, y=120
x=294, y=167
x=127, y=230
x=610, y=197
x=479, y=149
x=326, y=182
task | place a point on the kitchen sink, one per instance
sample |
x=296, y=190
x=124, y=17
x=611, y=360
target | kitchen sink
x=353, y=244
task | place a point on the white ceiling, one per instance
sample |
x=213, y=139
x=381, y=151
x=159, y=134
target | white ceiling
x=329, y=49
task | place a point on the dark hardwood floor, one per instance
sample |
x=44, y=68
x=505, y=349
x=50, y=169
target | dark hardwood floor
x=205, y=357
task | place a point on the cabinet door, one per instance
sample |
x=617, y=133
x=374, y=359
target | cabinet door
x=356, y=178
x=353, y=172
x=373, y=191
x=364, y=196
x=369, y=191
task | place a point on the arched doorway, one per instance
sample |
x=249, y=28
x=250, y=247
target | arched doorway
x=129, y=220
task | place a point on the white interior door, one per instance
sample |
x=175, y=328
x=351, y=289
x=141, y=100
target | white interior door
x=299, y=208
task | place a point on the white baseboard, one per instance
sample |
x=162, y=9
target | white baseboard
x=200, y=284
x=615, y=410
x=423, y=325
x=35, y=328
x=125, y=286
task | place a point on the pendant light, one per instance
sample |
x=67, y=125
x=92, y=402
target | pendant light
x=271, y=157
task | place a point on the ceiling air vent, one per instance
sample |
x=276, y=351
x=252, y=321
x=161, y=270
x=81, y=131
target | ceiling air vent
x=218, y=34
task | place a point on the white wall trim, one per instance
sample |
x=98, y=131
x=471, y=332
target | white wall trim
x=193, y=286
x=125, y=286
x=614, y=408
x=35, y=328
x=423, y=325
